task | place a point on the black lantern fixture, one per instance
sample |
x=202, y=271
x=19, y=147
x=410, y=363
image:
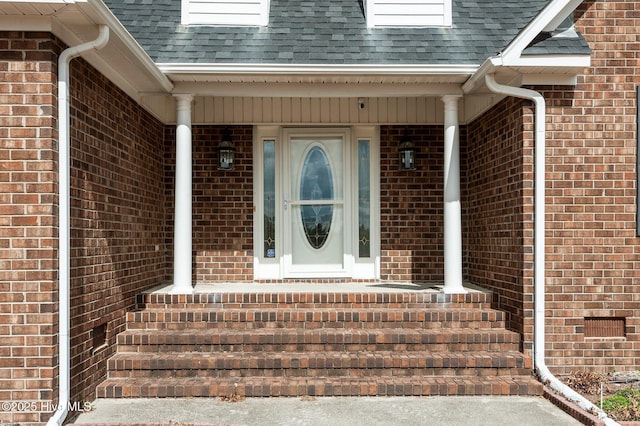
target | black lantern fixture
x=407, y=153
x=226, y=151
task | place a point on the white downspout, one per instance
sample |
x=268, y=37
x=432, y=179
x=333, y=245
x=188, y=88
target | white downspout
x=64, y=240
x=539, y=249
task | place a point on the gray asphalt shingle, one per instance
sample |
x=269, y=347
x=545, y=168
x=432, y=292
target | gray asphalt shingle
x=329, y=31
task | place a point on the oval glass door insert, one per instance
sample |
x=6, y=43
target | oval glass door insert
x=316, y=184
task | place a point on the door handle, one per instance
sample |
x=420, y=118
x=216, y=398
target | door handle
x=285, y=203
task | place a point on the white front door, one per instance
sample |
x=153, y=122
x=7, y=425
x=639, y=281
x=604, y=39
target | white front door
x=316, y=203
x=315, y=210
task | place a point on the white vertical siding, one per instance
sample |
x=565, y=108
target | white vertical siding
x=299, y=110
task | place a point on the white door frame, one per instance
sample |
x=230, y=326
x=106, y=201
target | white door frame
x=290, y=184
x=278, y=266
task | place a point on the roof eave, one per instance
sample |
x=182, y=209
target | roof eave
x=315, y=69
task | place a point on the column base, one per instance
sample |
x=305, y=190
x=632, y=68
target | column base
x=454, y=289
x=181, y=289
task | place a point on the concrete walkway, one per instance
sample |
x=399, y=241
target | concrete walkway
x=334, y=411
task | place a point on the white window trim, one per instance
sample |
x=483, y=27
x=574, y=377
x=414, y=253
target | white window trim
x=261, y=20
x=367, y=268
x=373, y=21
x=265, y=268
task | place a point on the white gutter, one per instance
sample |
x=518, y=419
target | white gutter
x=64, y=240
x=539, y=250
x=313, y=69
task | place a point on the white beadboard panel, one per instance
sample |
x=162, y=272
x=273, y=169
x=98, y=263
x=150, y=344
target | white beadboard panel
x=476, y=105
x=311, y=111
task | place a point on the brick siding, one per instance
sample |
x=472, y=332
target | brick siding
x=498, y=209
x=28, y=206
x=412, y=206
x=117, y=217
x=117, y=224
x=593, y=261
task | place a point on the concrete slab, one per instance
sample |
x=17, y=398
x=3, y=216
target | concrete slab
x=334, y=411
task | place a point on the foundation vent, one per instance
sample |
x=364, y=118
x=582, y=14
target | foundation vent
x=604, y=327
x=99, y=337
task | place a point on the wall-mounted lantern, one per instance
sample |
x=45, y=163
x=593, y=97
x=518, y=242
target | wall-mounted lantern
x=226, y=151
x=407, y=153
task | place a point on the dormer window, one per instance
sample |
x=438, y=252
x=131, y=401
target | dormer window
x=408, y=13
x=225, y=12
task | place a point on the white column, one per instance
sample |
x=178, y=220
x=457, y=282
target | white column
x=452, y=210
x=182, y=238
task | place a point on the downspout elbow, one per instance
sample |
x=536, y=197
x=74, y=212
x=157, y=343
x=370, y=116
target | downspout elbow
x=64, y=241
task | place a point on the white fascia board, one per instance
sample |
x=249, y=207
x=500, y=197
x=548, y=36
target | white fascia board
x=553, y=14
x=550, y=61
x=301, y=69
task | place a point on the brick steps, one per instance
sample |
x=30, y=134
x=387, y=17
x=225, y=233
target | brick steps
x=325, y=339
x=325, y=386
x=310, y=364
x=317, y=344
x=423, y=318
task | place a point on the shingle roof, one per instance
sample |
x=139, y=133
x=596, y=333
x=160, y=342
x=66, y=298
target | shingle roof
x=546, y=44
x=326, y=32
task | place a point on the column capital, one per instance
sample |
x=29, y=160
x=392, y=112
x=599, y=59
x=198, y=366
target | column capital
x=451, y=100
x=183, y=97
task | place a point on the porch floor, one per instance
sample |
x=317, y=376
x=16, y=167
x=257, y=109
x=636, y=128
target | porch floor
x=306, y=287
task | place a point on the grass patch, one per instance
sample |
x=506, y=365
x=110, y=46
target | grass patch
x=624, y=405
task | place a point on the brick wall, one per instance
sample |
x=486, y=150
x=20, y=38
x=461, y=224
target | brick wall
x=411, y=206
x=222, y=204
x=28, y=205
x=593, y=254
x=117, y=221
x=117, y=218
x=498, y=209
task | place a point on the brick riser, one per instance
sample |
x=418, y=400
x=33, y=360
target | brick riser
x=325, y=344
x=313, y=300
x=434, y=318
